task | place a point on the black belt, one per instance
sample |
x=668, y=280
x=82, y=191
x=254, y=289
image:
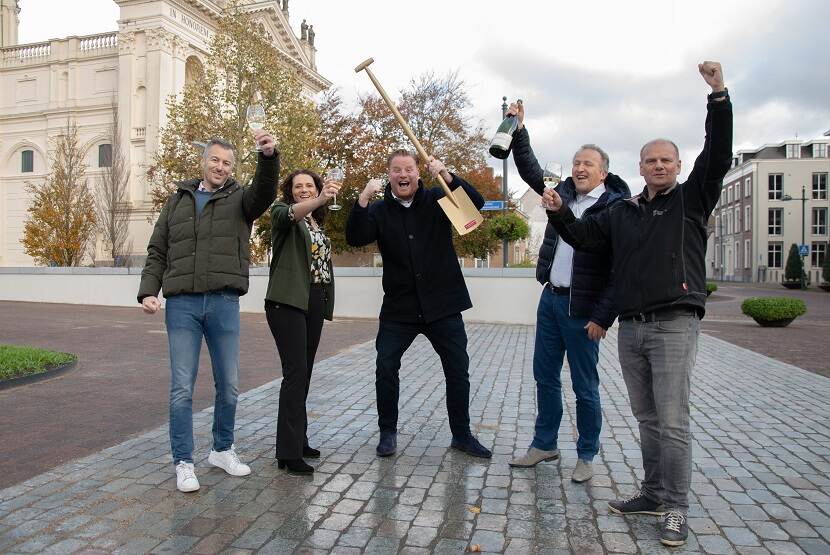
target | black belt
x=559, y=290
x=658, y=315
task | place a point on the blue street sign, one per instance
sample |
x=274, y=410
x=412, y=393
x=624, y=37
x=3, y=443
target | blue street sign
x=804, y=250
x=493, y=205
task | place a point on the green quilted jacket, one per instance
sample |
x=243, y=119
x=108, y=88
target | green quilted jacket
x=190, y=254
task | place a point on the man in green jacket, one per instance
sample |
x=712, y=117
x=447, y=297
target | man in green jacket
x=198, y=256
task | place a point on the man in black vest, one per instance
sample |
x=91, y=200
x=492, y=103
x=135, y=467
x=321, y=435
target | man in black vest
x=423, y=289
x=576, y=306
x=658, y=241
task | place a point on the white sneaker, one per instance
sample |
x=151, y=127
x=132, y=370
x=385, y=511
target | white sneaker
x=229, y=462
x=186, y=477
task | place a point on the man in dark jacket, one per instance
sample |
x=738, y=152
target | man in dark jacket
x=423, y=289
x=199, y=255
x=576, y=306
x=658, y=241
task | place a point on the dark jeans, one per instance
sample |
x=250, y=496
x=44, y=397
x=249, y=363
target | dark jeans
x=297, y=335
x=449, y=339
x=657, y=360
x=558, y=333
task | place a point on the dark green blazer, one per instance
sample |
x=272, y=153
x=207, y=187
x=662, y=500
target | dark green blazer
x=290, y=279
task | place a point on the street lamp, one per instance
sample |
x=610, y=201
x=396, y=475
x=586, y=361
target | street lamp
x=504, y=185
x=803, y=199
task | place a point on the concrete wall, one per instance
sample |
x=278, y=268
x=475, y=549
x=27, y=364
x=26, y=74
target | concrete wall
x=498, y=295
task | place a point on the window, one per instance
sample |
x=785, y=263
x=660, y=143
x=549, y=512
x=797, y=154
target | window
x=793, y=151
x=820, y=150
x=819, y=221
x=27, y=161
x=747, y=254
x=776, y=186
x=104, y=156
x=737, y=251
x=775, y=225
x=727, y=216
x=774, y=255
x=747, y=219
x=482, y=262
x=737, y=219
x=747, y=186
x=819, y=186
x=729, y=194
x=818, y=254
x=717, y=226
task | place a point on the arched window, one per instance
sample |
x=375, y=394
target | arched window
x=27, y=161
x=104, y=155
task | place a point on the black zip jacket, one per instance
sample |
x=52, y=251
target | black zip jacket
x=592, y=289
x=422, y=280
x=659, y=246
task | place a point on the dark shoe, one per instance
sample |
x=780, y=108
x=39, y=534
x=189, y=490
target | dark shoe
x=296, y=466
x=673, y=529
x=388, y=444
x=310, y=452
x=637, y=504
x=471, y=446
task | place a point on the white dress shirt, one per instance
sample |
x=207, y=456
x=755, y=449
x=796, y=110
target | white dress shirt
x=562, y=267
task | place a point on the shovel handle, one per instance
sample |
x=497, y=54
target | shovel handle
x=364, y=66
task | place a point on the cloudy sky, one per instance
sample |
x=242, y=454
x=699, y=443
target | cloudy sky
x=608, y=72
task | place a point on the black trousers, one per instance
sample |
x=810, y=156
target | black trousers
x=449, y=339
x=297, y=335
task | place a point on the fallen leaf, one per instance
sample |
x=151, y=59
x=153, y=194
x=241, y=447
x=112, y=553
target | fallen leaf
x=475, y=548
x=475, y=510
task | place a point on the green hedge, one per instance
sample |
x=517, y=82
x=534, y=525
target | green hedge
x=711, y=287
x=773, y=308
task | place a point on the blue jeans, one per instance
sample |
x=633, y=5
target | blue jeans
x=657, y=360
x=449, y=339
x=558, y=333
x=189, y=316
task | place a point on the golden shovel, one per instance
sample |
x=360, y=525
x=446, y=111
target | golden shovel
x=457, y=205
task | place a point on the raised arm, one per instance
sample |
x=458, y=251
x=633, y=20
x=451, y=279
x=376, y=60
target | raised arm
x=703, y=188
x=453, y=181
x=258, y=197
x=529, y=168
x=360, y=227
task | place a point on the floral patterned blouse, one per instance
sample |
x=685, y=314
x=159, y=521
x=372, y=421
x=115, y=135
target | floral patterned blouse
x=320, y=251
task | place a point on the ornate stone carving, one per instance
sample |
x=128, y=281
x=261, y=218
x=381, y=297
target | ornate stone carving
x=126, y=42
x=160, y=39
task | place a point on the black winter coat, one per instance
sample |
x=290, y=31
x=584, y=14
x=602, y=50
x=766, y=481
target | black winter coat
x=592, y=289
x=422, y=280
x=659, y=245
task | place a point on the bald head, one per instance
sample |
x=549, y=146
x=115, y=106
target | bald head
x=654, y=142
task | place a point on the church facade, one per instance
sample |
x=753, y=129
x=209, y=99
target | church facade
x=158, y=48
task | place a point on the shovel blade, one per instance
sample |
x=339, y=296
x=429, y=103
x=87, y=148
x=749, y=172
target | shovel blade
x=462, y=213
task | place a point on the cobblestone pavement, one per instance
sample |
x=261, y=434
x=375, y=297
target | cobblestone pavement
x=760, y=480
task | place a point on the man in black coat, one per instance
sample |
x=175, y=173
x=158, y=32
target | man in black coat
x=575, y=308
x=658, y=240
x=423, y=289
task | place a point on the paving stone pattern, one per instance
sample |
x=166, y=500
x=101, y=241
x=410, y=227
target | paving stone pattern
x=761, y=478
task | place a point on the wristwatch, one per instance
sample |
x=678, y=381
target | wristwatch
x=719, y=94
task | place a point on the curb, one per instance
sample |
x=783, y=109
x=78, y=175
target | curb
x=32, y=378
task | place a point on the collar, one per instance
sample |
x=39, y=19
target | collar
x=596, y=192
x=642, y=197
x=404, y=203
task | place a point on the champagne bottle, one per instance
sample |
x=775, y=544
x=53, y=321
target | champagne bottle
x=503, y=139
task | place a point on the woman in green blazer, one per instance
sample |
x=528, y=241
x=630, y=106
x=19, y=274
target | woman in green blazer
x=300, y=295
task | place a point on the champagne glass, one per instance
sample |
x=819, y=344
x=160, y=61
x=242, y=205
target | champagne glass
x=335, y=174
x=552, y=176
x=255, y=114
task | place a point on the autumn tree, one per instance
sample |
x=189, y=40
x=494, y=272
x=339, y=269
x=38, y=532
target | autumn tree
x=112, y=203
x=242, y=61
x=61, y=218
x=437, y=109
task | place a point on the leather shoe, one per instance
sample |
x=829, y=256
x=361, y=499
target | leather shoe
x=310, y=452
x=296, y=466
x=388, y=444
x=471, y=446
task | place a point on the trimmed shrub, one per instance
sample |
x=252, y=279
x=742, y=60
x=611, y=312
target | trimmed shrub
x=773, y=308
x=711, y=287
x=795, y=266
